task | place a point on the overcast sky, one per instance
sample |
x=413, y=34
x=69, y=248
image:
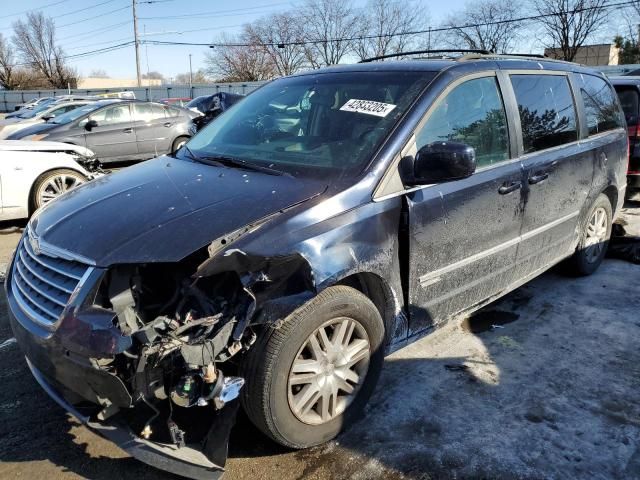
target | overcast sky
x=103, y=23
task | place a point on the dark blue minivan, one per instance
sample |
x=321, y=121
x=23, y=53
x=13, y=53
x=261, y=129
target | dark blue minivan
x=324, y=221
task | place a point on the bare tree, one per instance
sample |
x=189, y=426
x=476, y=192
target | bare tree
x=382, y=26
x=7, y=79
x=153, y=75
x=485, y=25
x=277, y=34
x=568, y=24
x=329, y=26
x=99, y=73
x=199, y=76
x=235, y=60
x=35, y=42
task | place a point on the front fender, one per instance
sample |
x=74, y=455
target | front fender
x=287, y=263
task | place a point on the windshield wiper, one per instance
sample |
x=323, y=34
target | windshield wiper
x=229, y=161
x=190, y=153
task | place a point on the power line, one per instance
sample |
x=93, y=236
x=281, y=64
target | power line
x=84, y=54
x=93, y=32
x=82, y=9
x=206, y=29
x=73, y=12
x=303, y=42
x=101, y=50
x=38, y=8
x=93, y=17
x=219, y=13
x=106, y=42
x=396, y=34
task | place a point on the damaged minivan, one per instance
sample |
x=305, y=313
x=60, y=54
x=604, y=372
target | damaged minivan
x=325, y=220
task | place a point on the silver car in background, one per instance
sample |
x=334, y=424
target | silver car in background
x=9, y=126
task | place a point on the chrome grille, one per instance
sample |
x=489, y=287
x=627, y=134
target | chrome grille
x=43, y=284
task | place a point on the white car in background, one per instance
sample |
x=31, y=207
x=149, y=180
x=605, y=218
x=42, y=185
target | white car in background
x=34, y=173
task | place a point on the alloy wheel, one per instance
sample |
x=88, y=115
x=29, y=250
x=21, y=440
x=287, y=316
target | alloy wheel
x=328, y=371
x=57, y=185
x=596, y=235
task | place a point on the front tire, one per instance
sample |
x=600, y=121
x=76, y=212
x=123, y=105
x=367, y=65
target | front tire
x=51, y=185
x=310, y=378
x=178, y=143
x=595, y=233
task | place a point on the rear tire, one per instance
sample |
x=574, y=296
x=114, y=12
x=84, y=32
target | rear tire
x=595, y=233
x=278, y=365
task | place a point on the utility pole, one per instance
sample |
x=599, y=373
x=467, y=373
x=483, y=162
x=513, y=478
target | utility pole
x=190, y=73
x=136, y=41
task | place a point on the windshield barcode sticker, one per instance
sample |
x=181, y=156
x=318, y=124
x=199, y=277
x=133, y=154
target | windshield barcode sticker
x=369, y=107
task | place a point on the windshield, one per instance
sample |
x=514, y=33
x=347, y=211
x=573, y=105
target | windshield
x=324, y=124
x=74, y=114
x=195, y=103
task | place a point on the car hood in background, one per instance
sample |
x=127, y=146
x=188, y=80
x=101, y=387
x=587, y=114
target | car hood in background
x=163, y=210
x=31, y=146
x=12, y=120
x=35, y=129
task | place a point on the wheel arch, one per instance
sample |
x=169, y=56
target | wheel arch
x=380, y=292
x=186, y=136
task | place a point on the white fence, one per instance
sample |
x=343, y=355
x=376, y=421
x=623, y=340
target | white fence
x=10, y=98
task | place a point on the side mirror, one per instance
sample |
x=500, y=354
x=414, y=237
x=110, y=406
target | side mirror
x=46, y=118
x=440, y=162
x=90, y=125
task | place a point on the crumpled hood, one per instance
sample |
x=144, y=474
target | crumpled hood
x=163, y=210
x=34, y=146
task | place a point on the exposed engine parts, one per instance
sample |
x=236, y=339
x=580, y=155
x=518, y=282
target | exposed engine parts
x=202, y=387
x=181, y=326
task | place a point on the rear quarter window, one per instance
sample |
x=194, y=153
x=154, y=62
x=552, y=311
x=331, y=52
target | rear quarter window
x=600, y=104
x=629, y=100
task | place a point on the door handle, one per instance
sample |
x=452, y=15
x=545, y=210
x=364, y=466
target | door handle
x=127, y=130
x=509, y=187
x=538, y=178
x=168, y=124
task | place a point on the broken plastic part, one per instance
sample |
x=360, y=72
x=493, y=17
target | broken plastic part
x=146, y=432
x=230, y=391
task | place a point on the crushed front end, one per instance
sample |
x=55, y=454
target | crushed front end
x=143, y=354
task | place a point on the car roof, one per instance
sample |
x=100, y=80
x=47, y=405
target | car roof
x=466, y=62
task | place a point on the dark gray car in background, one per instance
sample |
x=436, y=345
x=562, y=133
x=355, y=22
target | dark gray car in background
x=118, y=130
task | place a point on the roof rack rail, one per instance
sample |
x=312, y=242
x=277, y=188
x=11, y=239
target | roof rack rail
x=419, y=52
x=507, y=56
x=530, y=55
